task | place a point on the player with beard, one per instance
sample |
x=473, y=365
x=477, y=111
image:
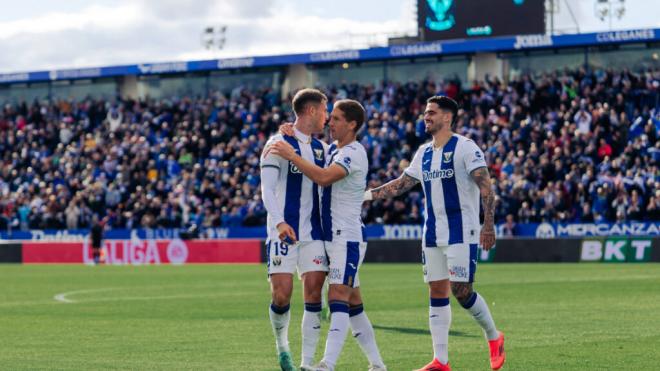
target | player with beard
x=455, y=178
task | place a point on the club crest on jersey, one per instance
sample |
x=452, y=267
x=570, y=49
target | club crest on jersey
x=318, y=154
x=294, y=169
x=447, y=156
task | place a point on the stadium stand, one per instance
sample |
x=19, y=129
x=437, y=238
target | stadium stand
x=571, y=146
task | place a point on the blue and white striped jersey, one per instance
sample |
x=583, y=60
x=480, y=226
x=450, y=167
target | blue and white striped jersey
x=452, y=198
x=342, y=201
x=298, y=198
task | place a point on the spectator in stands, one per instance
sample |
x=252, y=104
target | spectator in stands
x=72, y=213
x=509, y=227
x=564, y=146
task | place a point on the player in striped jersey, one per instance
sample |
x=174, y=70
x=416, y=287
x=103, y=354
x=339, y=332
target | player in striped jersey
x=454, y=176
x=344, y=180
x=295, y=236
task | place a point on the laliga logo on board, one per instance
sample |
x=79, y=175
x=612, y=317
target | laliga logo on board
x=532, y=41
x=138, y=252
x=177, y=252
x=545, y=230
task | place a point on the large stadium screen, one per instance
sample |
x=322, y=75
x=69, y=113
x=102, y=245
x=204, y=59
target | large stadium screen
x=462, y=19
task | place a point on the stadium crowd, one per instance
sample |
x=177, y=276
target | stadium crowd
x=571, y=146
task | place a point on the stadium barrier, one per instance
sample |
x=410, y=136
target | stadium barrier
x=373, y=232
x=523, y=250
x=178, y=251
x=10, y=253
x=141, y=252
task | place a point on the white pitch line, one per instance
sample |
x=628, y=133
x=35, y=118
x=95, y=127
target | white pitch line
x=62, y=298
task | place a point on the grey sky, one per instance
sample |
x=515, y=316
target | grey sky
x=39, y=34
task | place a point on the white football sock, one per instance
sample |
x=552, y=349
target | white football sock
x=439, y=322
x=481, y=313
x=279, y=319
x=363, y=332
x=337, y=333
x=311, y=329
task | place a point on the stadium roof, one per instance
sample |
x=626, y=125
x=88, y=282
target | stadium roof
x=436, y=48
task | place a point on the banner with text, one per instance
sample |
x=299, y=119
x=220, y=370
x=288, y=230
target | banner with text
x=373, y=232
x=141, y=252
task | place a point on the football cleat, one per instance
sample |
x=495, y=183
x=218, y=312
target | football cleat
x=435, y=365
x=286, y=362
x=497, y=355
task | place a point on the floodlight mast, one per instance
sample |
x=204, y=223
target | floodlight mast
x=608, y=9
x=214, y=37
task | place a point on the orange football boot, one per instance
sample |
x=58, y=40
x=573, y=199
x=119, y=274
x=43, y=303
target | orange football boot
x=497, y=355
x=435, y=365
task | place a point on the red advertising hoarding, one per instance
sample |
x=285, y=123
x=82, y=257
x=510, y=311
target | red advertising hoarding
x=140, y=252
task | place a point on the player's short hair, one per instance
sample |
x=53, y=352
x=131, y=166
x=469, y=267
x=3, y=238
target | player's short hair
x=306, y=96
x=446, y=103
x=353, y=111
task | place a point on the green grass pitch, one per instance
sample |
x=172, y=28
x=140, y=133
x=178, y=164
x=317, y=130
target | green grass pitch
x=555, y=317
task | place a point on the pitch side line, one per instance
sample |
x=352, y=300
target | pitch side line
x=62, y=298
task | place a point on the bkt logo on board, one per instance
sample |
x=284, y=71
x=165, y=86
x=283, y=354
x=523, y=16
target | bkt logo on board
x=617, y=249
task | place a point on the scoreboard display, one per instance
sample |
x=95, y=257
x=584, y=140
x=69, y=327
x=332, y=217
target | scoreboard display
x=463, y=19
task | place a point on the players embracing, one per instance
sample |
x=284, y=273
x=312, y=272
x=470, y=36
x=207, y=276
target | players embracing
x=343, y=179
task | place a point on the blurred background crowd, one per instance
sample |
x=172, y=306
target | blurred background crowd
x=571, y=146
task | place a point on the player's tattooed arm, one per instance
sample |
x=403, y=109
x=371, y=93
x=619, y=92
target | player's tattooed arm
x=394, y=188
x=482, y=178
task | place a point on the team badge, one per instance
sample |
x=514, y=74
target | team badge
x=448, y=156
x=294, y=169
x=318, y=153
x=442, y=17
